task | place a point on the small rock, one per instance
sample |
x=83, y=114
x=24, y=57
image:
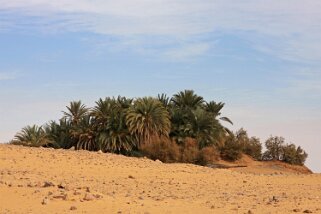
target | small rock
x=73, y=208
x=87, y=189
x=274, y=199
x=63, y=197
x=77, y=192
x=250, y=212
x=48, y=184
x=98, y=196
x=158, y=161
x=89, y=197
x=66, y=197
x=131, y=177
x=296, y=210
x=307, y=211
x=63, y=186
x=45, y=201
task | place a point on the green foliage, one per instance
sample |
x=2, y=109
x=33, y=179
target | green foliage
x=250, y=146
x=59, y=135
x=274, y=148
x=165, y=100
x=294, y=155
x=110, y=124
x=148, y=118
x=232, y=149
x=187, y=100
x=76, y=110
x=289, y=153
x=214, y=108
x=204, y=127
x=190, y=117
x=253, y=148
x=182, y=128
x=33, y=136
x=84, y=134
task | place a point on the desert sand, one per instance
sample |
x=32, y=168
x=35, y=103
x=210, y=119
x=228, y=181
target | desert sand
x=41, y=180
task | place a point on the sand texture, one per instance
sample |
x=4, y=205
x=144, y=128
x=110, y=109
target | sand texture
x=40, y=180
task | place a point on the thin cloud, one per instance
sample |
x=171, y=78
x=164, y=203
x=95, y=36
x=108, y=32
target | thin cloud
x=8, y=76
x=306, y=81
x=291, y=26
x=187, y=51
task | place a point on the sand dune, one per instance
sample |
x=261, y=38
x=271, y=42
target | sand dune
x=39, y=180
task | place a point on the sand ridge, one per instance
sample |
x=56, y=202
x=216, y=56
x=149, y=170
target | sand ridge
x=41, y=180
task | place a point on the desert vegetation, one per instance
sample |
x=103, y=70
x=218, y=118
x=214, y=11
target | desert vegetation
x=182, y=128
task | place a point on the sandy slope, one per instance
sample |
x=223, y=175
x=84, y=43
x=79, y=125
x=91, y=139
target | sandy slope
x=107, y=183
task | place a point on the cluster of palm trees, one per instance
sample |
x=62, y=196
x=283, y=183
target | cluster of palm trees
x=159, y=126
x=121, y=124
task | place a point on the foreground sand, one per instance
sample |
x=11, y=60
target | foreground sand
x=38, y=180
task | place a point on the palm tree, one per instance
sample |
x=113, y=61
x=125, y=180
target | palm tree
x=187, y=99
x=148, y=118
x=124, y=102
x=112, y=132
x=85, y=134
x=33, y=136
x=203, y=127
x=164, y=99
x=180, y=124
x=115, y=136
x=75, y=112
x=59, y=134
x=215, y=109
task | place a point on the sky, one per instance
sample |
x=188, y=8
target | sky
x=261, y=59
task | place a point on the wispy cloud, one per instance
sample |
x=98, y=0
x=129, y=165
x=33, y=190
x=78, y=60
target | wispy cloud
x=8, y=75
x=187, y=51
x=306, y=81
x=292, y=27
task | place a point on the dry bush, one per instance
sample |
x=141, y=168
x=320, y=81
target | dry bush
x=189, y=151
x=162, y=149
x=232, y=150
x=208, y=155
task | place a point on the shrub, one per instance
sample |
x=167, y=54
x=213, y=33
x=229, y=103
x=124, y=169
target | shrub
x=274, y=148
x=293, y=155
x=208, y=155
x=250, y=146
x=231, y=150
x=189, y=151
x=162, y=148
x=253, y=148
x=289, y=153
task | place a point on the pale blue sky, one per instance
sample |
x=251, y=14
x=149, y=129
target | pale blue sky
x=263, y=60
